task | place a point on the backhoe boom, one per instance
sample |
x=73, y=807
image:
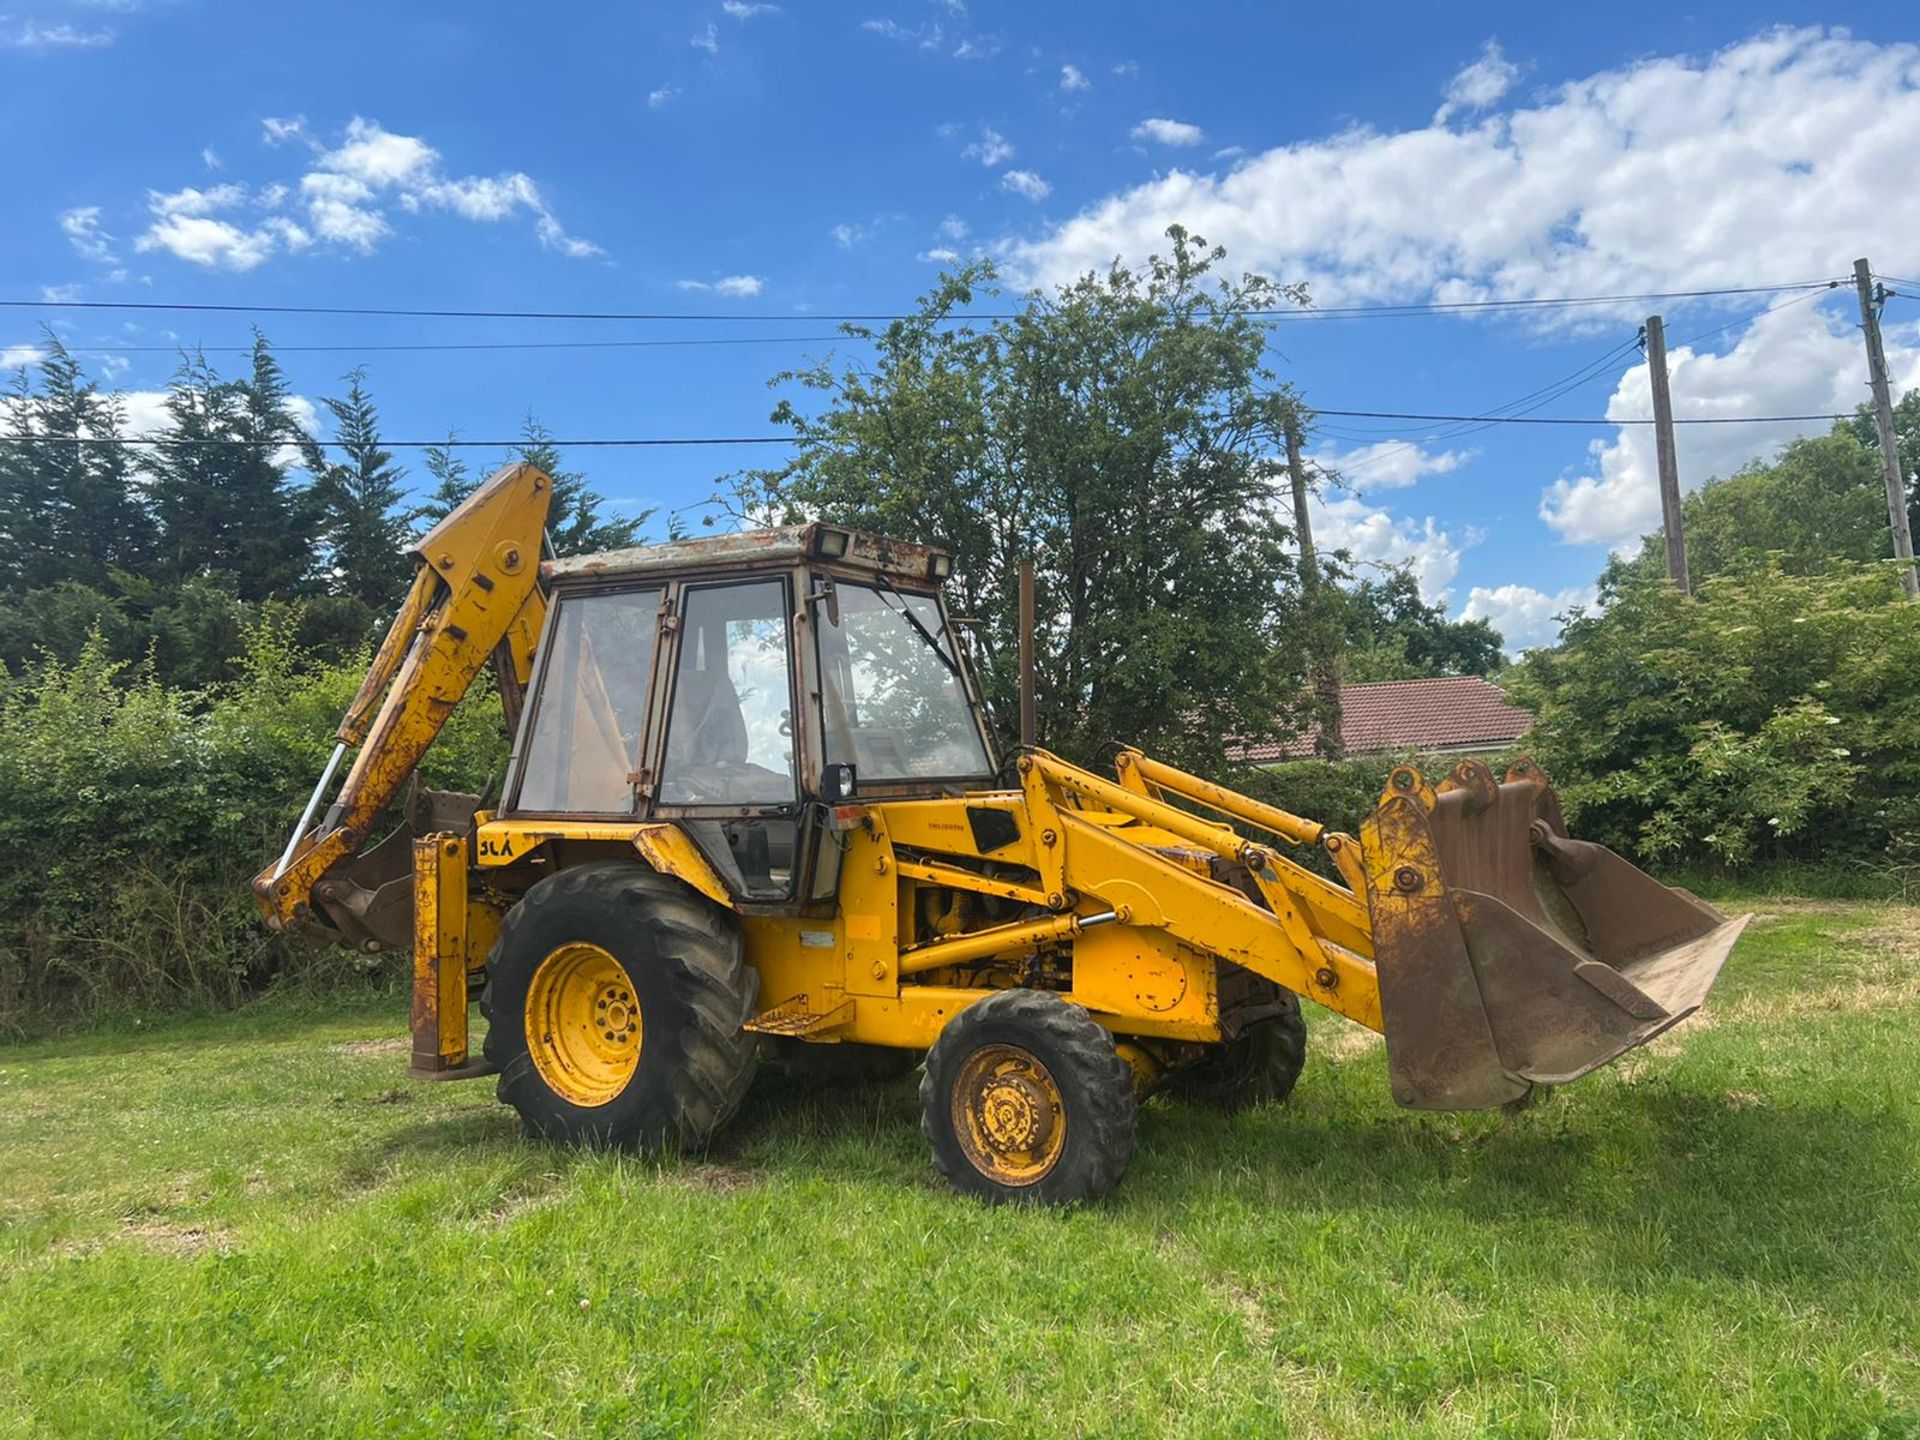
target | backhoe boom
x=475, y=596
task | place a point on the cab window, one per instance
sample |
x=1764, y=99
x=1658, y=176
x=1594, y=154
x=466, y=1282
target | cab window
x=583, y=738
x=730, y=731
x=895, y=705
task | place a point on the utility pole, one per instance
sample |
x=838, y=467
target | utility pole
x=1325, y=645
x=1883, y=420
x=1656, y=339
x=1029, y=702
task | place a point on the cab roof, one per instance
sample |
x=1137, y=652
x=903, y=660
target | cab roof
x=834, y=545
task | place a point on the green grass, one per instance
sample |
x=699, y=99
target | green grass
x=252, y=1225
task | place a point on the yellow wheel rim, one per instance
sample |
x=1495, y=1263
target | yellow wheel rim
x=1008, y=1115
x=583, y=1024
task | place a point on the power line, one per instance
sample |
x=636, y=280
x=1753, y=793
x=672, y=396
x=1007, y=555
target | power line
x=1386, y=311
x=220, y=442
x=451, y=345
x=1575, y=420
x=634, y=442
x=1531, y=401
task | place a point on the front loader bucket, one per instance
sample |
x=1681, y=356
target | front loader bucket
x=1510, y=955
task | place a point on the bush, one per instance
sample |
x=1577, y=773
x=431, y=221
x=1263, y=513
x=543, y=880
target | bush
x=133, y=815
x=1770, y=717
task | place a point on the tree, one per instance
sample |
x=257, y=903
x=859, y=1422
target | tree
x=1393, y=634
x=1768, y=715
x=221, y=487
x=365, y=530
x=452, y=482
x=574, y=520
x=68, y=507
x=1906, y=436
x=1122, y=431
x=1820, y=502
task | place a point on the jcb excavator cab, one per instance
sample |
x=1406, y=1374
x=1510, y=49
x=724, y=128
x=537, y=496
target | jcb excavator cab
x=739, y=687
x=753, y=798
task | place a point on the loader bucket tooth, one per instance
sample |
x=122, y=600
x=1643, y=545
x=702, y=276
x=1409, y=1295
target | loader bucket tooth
x=1510, y=954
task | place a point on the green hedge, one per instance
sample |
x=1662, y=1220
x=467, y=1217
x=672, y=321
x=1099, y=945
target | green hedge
x=132, y=816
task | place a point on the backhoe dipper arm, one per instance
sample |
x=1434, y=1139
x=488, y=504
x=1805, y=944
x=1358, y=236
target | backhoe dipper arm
x=475, y=596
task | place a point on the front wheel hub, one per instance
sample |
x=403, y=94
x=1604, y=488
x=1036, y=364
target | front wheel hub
x=583, y=1024
x=1009, y=1114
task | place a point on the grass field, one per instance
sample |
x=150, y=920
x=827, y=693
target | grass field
x=253, y=1225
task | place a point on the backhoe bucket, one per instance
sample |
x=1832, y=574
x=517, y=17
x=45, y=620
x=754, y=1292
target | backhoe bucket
x=367, y=900
x=1510, y=955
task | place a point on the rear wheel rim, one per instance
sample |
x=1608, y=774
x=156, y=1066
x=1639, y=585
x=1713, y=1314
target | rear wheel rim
x=1009, y=1115
x=583, y=1024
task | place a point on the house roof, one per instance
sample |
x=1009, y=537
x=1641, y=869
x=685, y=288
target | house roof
x=1453, y=712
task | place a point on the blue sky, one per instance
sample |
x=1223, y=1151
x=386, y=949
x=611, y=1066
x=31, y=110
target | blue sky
x=781, y=162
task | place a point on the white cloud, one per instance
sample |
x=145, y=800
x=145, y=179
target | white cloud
x=210, y=158
x=1026, y=184
x=1388, y=464
x=341, y=210
x=663, y=96
x=60, y=294
x=14, y=357
x=1169, y=132
x=953, y=228
x=190, y=201
x=939, y=255
x=1792, y=134
x=346, y=194
x=216, y=244
x=1523, y=615
x=1072, y=77
x=276, y=131
x=1127, y=69
x=1375, y=537
x=747, y=9
x=707, y=39
x=33, y=35
x=378, y=157
x=1480, y=84
x=1797, y=359
x=990, y=149
x=81, y=225
x=847, y=235
x=734, y=287
x=983, y=48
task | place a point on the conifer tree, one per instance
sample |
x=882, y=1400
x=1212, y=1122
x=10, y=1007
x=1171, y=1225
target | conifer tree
x=574, y=521
x=364, y=524
x=453, y=482
x=222, y=491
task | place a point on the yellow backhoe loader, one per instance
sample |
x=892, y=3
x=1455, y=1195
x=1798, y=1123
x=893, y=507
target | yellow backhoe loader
x=753, y=799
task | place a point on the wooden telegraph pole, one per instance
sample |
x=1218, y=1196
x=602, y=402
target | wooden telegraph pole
x=1324, y=658
x=1029, y=701
x=1883, y=421
x=1656, y=337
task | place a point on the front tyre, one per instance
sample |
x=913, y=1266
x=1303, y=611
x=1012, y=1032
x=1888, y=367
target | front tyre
x=615, y=1000
x=1025, y=1099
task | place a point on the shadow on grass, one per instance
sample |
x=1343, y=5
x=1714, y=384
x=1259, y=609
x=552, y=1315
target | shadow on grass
x=1654, y=1177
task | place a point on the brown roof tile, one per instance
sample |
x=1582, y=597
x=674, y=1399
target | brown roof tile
x=1452, y=712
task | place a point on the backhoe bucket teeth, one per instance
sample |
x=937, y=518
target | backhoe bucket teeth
x=1510, y=955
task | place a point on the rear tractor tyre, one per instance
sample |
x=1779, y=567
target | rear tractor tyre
x=1258, y=1066
x=1025, y=1099
x=615, y=1001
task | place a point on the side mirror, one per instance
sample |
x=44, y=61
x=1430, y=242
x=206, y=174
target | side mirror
x=837, y=783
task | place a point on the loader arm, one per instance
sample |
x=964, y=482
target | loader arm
x=475, y=597
x=1493, y=951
